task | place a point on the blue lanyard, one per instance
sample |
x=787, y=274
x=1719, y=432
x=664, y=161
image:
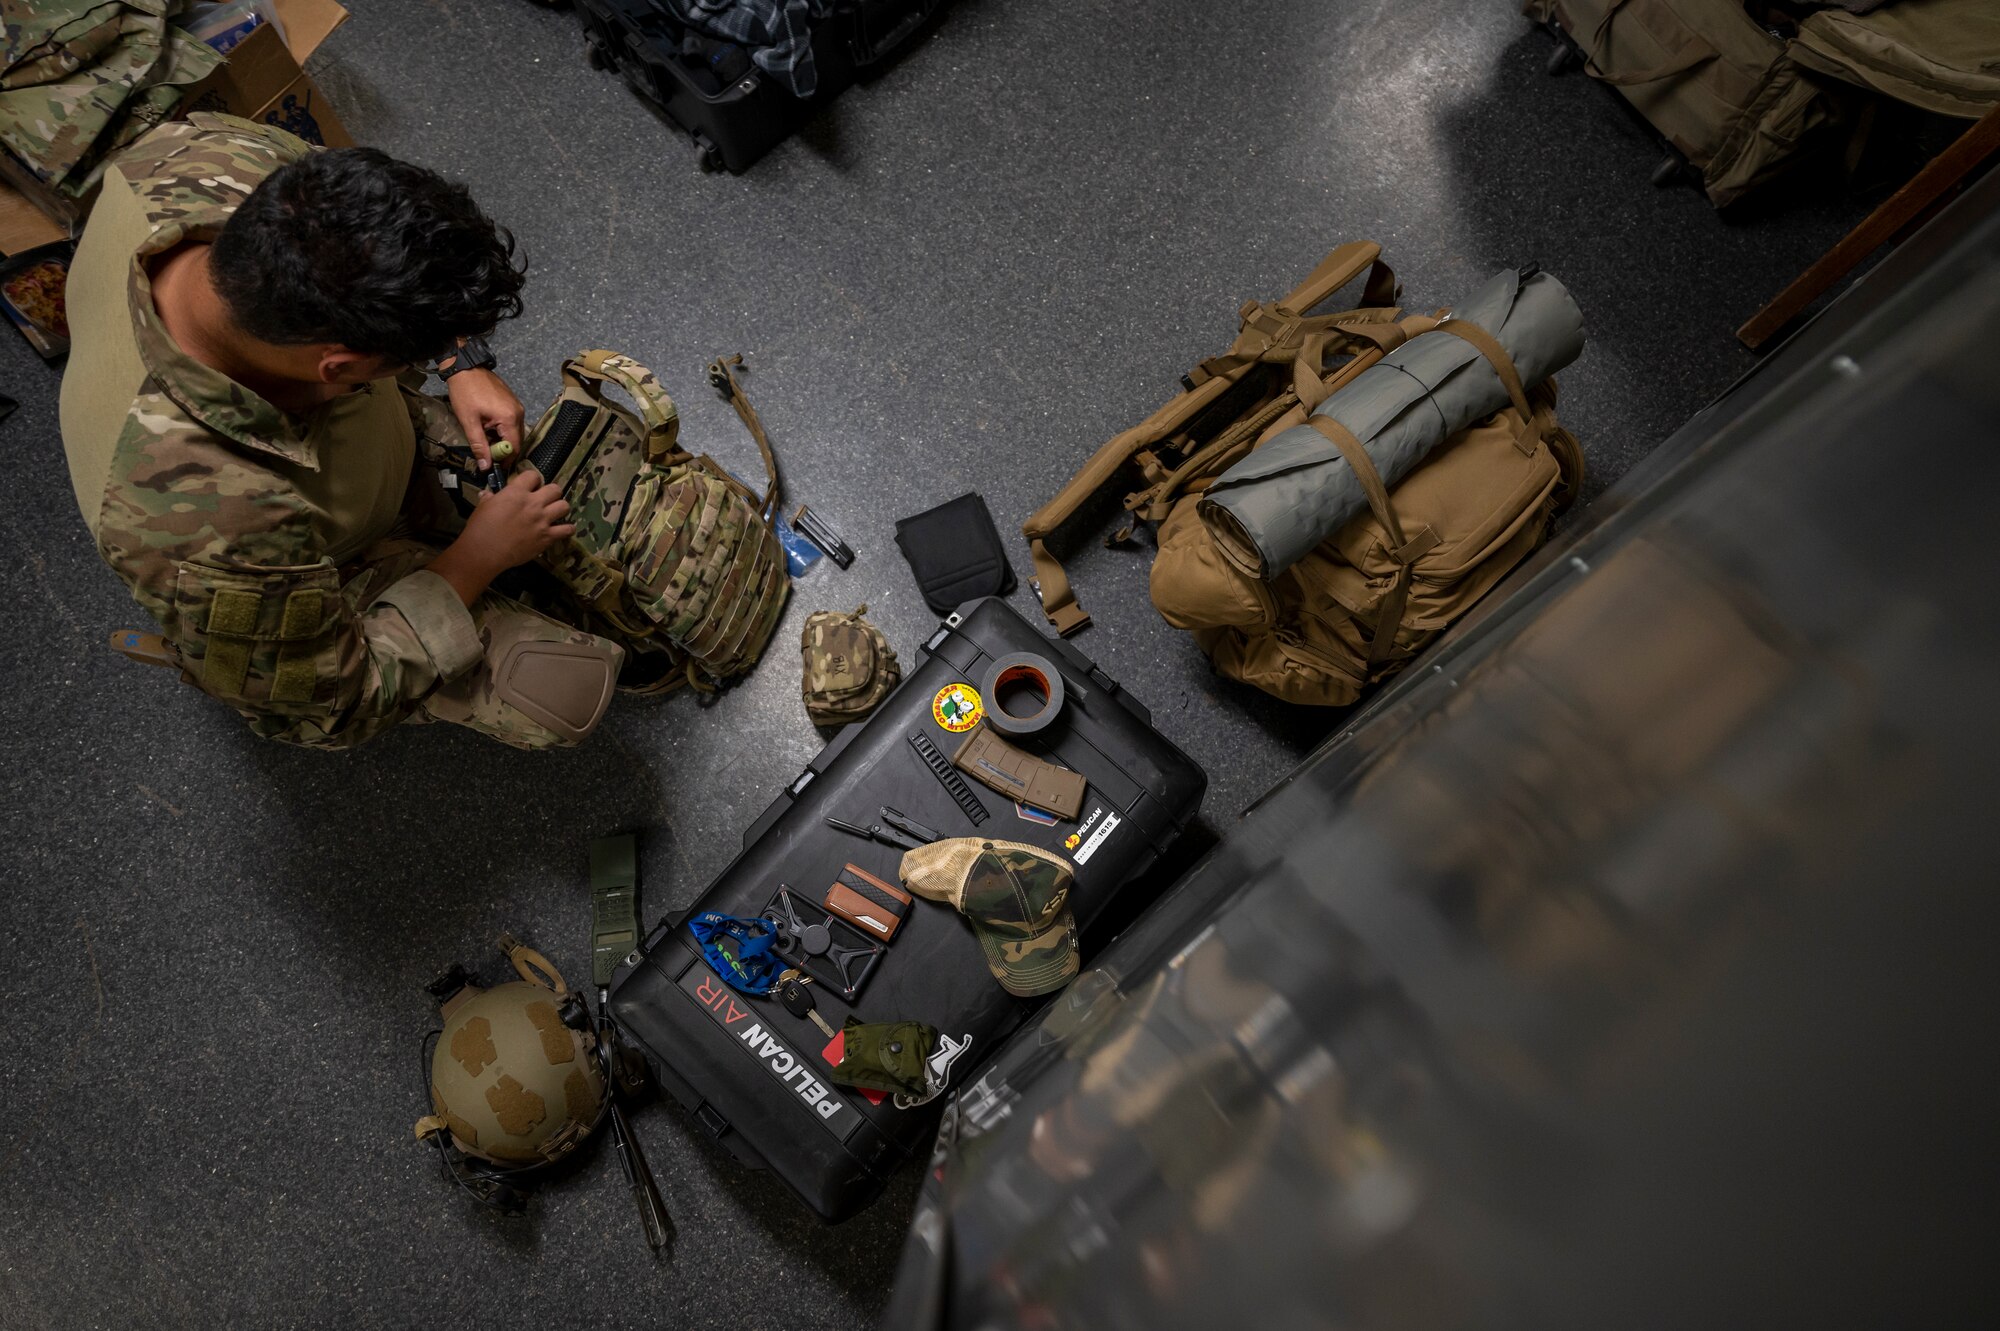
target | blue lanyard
x=749, y=964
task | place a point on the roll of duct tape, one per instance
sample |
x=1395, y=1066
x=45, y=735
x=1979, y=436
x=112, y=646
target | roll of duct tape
x=1024, y=694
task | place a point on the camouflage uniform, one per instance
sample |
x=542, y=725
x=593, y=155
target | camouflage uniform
x=199, y=519
x=80, y=79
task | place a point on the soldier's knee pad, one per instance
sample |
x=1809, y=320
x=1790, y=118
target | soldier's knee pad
x=562, y=685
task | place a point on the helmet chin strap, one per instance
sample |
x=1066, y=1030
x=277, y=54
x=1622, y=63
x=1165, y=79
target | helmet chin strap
x=532, y=966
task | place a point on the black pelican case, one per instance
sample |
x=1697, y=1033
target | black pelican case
x=733, y=124
x=753, y=1074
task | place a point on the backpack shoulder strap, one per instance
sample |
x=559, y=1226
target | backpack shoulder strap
x=1051, y=582
x=589, y=369
x=1217, y=376
x=1339, y=268
x=725, y=383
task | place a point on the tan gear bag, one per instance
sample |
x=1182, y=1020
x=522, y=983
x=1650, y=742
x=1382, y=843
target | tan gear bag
x=1942, y=55
x=1715, y=84
x=1388, y=582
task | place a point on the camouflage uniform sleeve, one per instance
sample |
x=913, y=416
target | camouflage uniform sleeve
x=440, y=441
x=222, y=553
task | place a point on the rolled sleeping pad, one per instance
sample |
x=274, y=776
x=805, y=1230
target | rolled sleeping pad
x=1024, y=694
x=1269, y=510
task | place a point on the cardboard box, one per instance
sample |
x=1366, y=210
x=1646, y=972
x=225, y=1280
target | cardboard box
x=262, y=80
x=23, y=226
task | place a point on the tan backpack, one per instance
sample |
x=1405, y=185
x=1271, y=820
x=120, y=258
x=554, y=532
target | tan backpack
x=1382, y=587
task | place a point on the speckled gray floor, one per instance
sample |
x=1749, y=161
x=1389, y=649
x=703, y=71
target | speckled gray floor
x=964, y=276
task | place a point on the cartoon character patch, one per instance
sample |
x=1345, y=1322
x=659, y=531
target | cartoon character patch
x=957, y=708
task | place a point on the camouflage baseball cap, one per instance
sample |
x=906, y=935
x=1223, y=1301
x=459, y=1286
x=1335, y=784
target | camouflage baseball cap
x=1017, y=898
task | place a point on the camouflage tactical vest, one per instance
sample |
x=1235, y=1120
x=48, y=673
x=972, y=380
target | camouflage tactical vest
x=849, y=667
x=671, y=554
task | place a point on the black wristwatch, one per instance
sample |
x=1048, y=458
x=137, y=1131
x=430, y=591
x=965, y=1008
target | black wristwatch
x=472, y=354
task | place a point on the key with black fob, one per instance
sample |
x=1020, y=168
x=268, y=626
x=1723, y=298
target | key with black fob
x=792, y=993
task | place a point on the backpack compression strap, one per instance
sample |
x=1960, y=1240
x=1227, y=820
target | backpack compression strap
x=1212, y=379
x=1488, y=346
x=1403, y=550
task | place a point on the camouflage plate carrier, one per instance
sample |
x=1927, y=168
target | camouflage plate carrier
x=672, y=555
x=849, y=667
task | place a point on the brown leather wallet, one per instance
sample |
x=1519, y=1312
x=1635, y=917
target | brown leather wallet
x=866, y=902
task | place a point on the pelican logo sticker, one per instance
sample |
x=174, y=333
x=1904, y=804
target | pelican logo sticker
x=1075, y=839
x=1097, y=838
x=957, y=708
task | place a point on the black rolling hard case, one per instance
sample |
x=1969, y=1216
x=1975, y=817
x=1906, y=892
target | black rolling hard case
x=753, y=1074
x=733, y=123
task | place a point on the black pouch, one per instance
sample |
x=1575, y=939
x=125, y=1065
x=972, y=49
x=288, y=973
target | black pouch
x=955, y=551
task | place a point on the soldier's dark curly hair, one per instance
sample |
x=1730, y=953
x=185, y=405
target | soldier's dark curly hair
x=352, y=246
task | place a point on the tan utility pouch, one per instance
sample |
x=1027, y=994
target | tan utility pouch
x=987, y=758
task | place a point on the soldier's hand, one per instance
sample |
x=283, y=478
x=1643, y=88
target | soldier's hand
x=485, y=406
x=512, y=526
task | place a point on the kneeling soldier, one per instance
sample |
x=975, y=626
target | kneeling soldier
x=249, y=447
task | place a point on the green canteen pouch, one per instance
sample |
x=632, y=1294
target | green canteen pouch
x=886, y=1056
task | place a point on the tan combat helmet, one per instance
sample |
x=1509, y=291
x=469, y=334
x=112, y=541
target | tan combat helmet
x=516, y=1080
